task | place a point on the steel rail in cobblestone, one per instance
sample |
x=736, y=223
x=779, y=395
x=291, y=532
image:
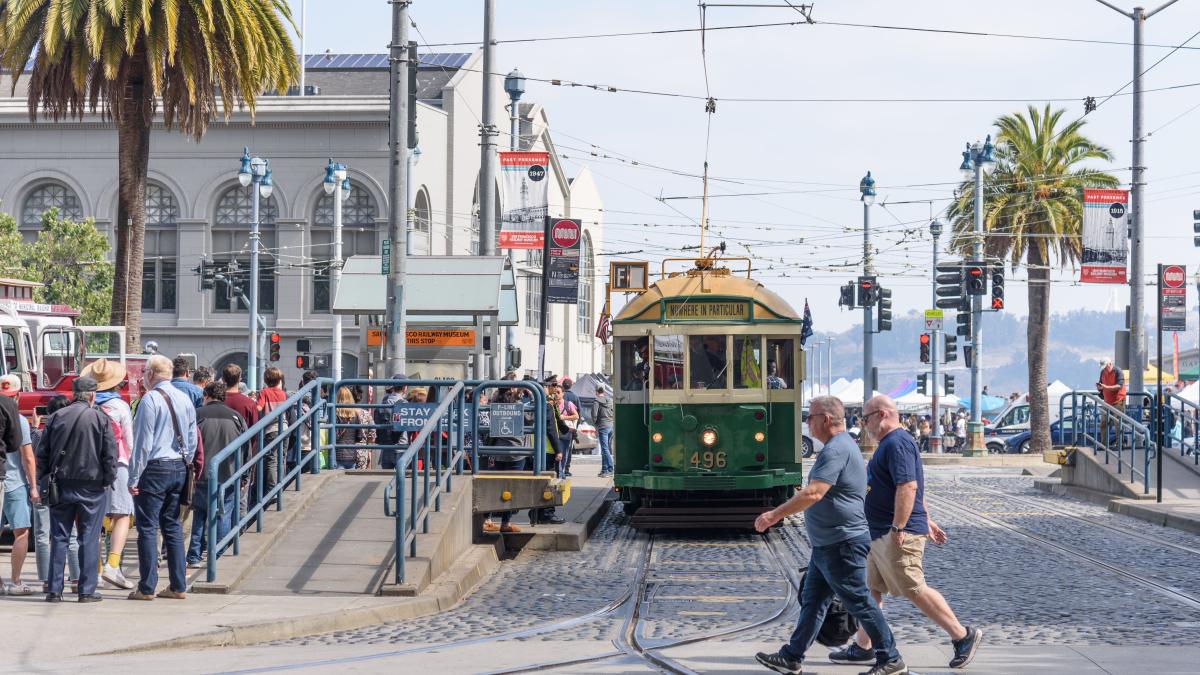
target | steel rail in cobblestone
x=1088, y=409
x=1074, y=516
x=1156, y=586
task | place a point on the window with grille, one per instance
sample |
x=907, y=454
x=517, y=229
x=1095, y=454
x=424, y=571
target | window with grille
x=43, y=198
x=358, y=238
x=159, y=273
x=231, y=241
x=587, y=289
x=533, y=303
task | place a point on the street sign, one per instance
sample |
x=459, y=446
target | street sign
x=411, y=416
x=564, y=233
x=416, y=337
x=562, y=269
x=1172, y=298
x=385, y=259
x=507, y=420
x=933, y=319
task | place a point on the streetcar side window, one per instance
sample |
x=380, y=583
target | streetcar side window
x=633, y=364
x=781, y=370
x=668, y=362
x=747, y=362
x=709, y=359
x=10, y=352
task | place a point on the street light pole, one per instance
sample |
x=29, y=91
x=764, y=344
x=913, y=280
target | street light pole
x=829, y=370
x=487, y=174
x=867, y=187
x=977, y=161
x=1137, y=282
x=254, y=173
x=514, y=86
x=935, y=352
x=336, y=182
x=398, y=178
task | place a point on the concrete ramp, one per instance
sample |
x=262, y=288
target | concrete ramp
x=341, y=544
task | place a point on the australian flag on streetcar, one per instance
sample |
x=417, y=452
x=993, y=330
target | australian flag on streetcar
x=806, y=327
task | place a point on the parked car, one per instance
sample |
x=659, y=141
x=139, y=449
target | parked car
x=1062, y=432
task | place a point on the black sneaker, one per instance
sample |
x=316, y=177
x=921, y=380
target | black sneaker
x=780, y=663
x=54, y=597
x=94, y=597
x=852, y=654
x=893, y=667
x=964, y=649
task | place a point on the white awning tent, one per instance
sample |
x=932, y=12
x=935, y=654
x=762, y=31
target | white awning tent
x=915, y=401
x=1191, y=392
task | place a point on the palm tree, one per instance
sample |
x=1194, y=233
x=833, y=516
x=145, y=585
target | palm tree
x=1033, y=216
x=125, y=59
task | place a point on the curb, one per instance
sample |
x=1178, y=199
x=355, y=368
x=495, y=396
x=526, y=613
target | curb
x=1152, y=515
x=475, y=565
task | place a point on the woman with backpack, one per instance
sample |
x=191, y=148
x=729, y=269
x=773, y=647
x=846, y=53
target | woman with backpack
x=109, y=375
x=349, y=457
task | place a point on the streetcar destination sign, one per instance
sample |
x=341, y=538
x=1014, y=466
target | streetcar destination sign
x=707, y=311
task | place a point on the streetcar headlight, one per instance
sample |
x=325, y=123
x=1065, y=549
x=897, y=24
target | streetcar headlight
x=708, y=437
x=656, y=437
x=760, y=436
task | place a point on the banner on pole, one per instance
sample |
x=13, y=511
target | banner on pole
x=1105, y=237
x=523, y=178
x=563, y=266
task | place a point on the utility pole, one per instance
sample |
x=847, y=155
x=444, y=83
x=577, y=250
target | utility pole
x=829, y=370
x=867, y=187
x=935, y=352
x=397, y=349
x=337, y=186
x=1137, y=285
x=514, y=86
x=487, y=173
x=975, y=433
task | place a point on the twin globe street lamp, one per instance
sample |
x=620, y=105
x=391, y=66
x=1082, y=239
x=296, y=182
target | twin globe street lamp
x=978, y=161
x=256, y=171
x=336, y=180
x=867, y=187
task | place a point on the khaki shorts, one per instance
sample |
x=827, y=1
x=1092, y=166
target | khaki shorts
x=897, y=570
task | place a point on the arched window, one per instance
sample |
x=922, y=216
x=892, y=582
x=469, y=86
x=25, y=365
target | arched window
x=422, y=224
x=231, y=243
x=159, y=266
x=358, y=237
x=43, y=198
x=587, y=288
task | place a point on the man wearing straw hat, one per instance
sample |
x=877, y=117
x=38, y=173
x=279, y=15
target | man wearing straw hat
x=108, y=376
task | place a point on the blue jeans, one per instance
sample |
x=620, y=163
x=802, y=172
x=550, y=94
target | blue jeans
x=840, y=569
x=604, y=435
x=83, y=509
x=199, y=540
x=41, y=537
x=155, y=507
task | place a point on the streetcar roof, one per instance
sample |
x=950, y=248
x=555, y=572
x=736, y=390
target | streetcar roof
x=652, y=305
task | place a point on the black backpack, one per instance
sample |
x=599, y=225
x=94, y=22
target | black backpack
x=838, y=626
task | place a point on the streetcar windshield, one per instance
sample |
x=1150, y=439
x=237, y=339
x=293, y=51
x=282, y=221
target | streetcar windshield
x=709, y=361
x=781, y=367
x=747, y=362
x=668, y=362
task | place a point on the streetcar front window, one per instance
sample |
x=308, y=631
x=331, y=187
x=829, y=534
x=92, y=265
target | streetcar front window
x=633, y=363
x=668, y=362
x=747, y=362
x=781, y=370
x=709, y=361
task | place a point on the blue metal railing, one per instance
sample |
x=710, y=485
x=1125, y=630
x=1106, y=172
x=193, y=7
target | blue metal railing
x=1187, y=414
x=305, y=407
x=1105, y=429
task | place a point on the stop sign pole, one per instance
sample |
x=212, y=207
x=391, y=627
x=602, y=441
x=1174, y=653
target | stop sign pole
x=1172, y=301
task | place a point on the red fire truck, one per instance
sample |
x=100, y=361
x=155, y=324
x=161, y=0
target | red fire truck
x=44, y=346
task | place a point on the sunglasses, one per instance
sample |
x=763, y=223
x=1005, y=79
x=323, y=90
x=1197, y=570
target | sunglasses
x=867, y=416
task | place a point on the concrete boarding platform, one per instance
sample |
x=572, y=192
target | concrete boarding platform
x=590, y=495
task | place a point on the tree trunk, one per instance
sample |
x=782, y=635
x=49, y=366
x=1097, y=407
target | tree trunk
x=1038, y=334
x=133, y=117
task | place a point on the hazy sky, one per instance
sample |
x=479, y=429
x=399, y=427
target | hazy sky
x=811, y=155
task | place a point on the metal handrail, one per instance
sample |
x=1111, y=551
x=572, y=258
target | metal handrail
x=1087, y=406
x=1190, y=413
x=215, y=488
x=538, y=449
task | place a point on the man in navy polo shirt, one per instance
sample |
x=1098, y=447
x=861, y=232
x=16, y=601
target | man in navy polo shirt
x=900, y=526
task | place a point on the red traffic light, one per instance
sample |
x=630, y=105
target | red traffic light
x=275, y=338
x=997, y=303
x=975, y=271
x=866, y=284
x=924, y=338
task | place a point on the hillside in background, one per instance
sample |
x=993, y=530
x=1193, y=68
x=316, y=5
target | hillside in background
x=1078, y=340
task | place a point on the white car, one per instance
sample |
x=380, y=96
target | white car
x=585, y=437
x=811, y=445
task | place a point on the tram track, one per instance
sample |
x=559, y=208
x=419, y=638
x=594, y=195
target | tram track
x=1044, y=542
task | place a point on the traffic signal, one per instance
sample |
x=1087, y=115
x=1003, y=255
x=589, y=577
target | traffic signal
x=964, y=323
x=847, y=296
x=923, y=383
x=949, y=384
x=998, y=288
x=924, y=347
x=867, y=294
x=975, y=277
x=208, y=275
x=949, y=290
x=304, y=362
x=951, y=348
x=1196, y=228
x=885, y=309
x=276, y=340
x=969, y=355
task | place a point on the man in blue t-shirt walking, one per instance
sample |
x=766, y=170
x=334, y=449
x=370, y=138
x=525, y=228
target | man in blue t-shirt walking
x=837, y=530
x=900, y=526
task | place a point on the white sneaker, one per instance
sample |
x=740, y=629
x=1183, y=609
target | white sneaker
x=116, y=577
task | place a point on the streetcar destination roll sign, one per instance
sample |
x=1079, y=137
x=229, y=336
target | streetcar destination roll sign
x=682, y=310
